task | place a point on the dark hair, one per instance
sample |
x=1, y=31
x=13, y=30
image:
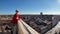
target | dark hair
x=17, y=11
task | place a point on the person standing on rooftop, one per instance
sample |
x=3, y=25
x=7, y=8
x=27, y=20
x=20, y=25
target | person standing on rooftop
x=14, y=22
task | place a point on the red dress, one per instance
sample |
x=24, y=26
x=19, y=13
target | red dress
x=16, y=17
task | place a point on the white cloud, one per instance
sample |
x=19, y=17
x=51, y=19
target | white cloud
x=58, y=1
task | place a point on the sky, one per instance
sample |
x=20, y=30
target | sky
x=30, y=6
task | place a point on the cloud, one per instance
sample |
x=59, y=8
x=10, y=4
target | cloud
x=58, y=1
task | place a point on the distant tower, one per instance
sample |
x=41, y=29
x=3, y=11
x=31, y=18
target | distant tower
x=41, y=14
